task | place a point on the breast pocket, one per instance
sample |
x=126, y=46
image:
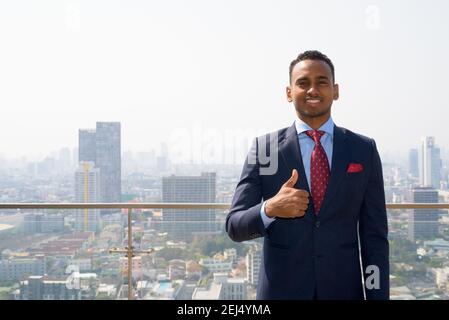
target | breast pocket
x=354, y=176
x=353, y=188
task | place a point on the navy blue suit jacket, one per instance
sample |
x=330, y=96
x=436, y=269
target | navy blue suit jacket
x=317, y=256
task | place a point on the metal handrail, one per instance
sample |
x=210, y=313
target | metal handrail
x=156, y=205
x=130, y=251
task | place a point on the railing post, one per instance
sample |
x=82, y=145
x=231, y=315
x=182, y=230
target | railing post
x=130, y=254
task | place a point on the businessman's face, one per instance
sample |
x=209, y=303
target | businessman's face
x=312, y=91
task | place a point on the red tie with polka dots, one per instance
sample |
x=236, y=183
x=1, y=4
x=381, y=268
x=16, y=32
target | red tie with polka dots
x=319, y=170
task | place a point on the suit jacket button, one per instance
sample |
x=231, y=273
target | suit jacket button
x=317, y=224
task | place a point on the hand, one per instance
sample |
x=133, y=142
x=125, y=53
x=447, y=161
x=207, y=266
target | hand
x=288, y=202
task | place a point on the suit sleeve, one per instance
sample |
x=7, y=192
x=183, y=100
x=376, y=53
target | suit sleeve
x=373, y=232
x=243, y=221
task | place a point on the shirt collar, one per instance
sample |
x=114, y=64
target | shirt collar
x=327, y=127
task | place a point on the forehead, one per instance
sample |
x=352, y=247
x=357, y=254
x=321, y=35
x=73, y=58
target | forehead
x=312, y=69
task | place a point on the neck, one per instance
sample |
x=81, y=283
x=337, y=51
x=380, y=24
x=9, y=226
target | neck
x=316, y=122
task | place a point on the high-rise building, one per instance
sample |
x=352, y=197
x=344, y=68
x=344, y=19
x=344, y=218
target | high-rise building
x=87, y=145
x=430, y=163
x=102, y=146
x=184, y=224
x=413, y=163
x=253, y=259
x=108, y=145
x=87, y=190
x=423, y=223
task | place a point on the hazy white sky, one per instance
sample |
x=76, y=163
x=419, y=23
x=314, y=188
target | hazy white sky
x=166, y=68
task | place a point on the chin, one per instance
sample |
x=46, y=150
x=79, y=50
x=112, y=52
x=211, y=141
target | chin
x=315, y=113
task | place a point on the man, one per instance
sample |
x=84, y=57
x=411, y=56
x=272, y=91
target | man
x=323, y=215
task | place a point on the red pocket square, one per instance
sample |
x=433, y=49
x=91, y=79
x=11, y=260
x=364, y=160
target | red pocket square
x=354, y=167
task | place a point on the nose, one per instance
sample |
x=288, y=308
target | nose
x=313, y=91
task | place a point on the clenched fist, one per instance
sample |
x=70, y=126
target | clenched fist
x=288, y=202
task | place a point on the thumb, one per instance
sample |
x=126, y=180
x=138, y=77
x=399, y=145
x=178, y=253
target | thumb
x=292, y=181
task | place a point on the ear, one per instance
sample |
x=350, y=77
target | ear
x=336, y=92
x=288, y=92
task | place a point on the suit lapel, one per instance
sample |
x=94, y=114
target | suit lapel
x=340, y=158
x=289, y=148
x=291, y=153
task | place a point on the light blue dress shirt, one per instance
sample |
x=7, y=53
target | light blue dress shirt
x=306, y=145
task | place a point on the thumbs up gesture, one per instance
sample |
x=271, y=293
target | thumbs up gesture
x=288, y=202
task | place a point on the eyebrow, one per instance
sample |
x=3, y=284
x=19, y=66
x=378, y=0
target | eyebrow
x=306, y=79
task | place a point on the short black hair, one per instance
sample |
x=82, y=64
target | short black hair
x=312, y=55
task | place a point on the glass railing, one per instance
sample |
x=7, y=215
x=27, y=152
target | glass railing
x=82, y=251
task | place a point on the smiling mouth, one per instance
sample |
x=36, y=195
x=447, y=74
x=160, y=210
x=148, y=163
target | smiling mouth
x=313, y=100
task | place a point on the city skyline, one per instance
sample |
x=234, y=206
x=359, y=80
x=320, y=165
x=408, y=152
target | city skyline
x=208, y=266
x=70, y=155
x=140, y=102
